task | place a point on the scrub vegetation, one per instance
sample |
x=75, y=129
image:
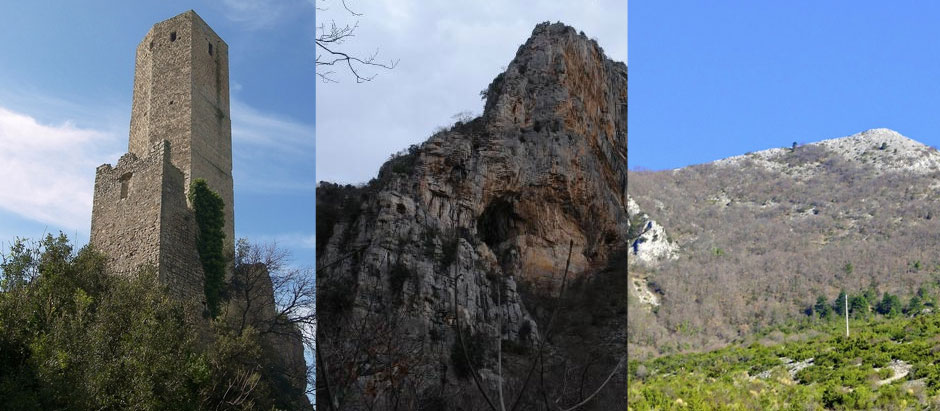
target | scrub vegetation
x=887, y=362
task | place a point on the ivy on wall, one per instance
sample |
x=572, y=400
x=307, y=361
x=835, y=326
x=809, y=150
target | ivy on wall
x=209, y=209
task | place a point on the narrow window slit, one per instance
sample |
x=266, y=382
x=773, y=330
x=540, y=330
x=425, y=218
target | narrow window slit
x=125, y=184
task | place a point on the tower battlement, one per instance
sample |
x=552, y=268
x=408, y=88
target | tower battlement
x=180, y=130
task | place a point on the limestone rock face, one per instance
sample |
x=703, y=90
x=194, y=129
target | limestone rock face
x=490, y=204
x=651, y=243
x=545, y=164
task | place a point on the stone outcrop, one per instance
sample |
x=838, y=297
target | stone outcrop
x=650, y=243
x=491, y=204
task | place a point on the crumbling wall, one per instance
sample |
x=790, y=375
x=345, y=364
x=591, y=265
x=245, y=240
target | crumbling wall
x=125, y=219
x=140, y=218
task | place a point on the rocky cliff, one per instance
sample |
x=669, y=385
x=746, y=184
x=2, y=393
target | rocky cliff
x=492, y=210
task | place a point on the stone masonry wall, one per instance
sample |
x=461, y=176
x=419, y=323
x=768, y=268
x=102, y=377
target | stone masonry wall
x=140, y=218
x=180, y=267
x=125, y=219
x=181, y=95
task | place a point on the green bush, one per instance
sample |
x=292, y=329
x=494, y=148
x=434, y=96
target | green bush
x=840, y=377
x=74, y=337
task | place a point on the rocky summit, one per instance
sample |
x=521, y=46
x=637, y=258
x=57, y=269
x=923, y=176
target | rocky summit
x=477, y=230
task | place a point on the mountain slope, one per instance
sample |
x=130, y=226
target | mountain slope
x=499, y=211
x=762, y=235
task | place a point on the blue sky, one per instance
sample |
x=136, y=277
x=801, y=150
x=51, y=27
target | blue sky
x=709, y=80
x=65, y=99
x=447, y=51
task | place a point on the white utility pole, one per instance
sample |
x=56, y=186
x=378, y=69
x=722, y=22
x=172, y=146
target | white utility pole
x=846, y=315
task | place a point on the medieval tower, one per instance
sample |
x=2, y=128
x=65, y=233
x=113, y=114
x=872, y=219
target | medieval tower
x=180, y=131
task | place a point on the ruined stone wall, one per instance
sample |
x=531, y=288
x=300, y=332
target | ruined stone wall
x=140, y=218
x=181, y=95
x=162, y=96
x=125, y=219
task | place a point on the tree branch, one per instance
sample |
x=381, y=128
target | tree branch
x=335, y=35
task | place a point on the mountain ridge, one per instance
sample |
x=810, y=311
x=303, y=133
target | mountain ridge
x=774, y=229
x=857, y=147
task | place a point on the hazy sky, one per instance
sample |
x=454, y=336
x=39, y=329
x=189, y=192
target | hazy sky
x=65, y=99
x=447, y=52
x=710, y=80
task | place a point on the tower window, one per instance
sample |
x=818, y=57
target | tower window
x=173, y=36
x=125, y=184
x=151, y=45
x=210, y=49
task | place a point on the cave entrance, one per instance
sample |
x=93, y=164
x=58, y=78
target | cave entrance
x=497, y=225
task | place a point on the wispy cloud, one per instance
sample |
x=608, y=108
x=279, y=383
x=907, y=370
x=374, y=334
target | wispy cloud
x=296, y=240
x=255, y=127
x=271, y=153
x=261, y=14
x=48, y=170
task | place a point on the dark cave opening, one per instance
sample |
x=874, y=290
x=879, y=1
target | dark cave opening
x=496, y=225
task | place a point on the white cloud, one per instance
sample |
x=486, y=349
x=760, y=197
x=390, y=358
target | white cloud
x=48, y=170
x=48, y=167
x=253, y=13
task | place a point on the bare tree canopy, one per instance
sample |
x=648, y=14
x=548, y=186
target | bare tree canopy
x=330, y=40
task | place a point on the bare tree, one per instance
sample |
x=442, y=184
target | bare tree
x=367, y=360
x=537, y=361
x=278, y=300
x=330, y=39
x=271, y=295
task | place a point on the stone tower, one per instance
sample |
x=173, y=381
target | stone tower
x=181, y=96
x=180, y=130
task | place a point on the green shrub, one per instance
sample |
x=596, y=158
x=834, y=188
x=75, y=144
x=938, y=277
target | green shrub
x=73, y=336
